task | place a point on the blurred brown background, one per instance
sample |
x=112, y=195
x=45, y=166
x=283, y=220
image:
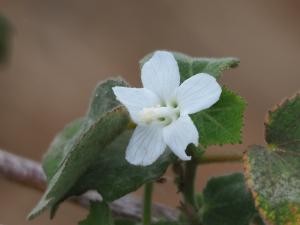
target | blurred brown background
x=61, y=49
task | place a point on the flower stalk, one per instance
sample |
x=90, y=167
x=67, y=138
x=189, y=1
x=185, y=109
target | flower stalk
x=189, y=192
x=147, y=211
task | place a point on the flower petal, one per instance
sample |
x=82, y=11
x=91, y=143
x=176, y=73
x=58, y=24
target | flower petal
x=145, y=145
x=197, y=93
x=179, y=134
x=160, y=74
x=135, y=99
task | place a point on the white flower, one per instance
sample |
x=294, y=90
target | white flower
x=161, y=109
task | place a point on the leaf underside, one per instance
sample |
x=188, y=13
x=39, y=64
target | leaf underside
x=273, y=172
x=189, y=66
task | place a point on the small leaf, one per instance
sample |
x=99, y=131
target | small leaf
x=100, y=214
x=223, y=122
x=282, y=128
x=189, y=66
x=274, y=179
x=226, y=201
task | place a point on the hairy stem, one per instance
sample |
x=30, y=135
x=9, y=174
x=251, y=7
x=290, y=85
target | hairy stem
x=221, y=158
x=189, y=183
x=147, y=214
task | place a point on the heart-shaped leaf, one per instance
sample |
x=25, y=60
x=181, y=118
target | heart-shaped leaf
x=227, y=201
x=273, y=172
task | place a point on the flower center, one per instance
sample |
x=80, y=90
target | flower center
x=160, y=114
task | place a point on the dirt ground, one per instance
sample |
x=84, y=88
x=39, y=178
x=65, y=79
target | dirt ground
x=61, y=49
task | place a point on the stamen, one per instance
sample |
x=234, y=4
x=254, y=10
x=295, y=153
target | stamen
x=159, y=114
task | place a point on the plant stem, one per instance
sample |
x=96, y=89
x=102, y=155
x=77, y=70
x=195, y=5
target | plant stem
x=28, y=172
x=148, y=189
x=234, y=157
x=189, y=184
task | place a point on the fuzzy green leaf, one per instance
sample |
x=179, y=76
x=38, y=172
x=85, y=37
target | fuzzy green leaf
x=89, y=154
x=189, y=66
x=80, y=157
x=274, y=179
x=227, y=201
x=273, y=172
x=282, y=128
x=58, y=149
x=100, y=214
x=102, y=101
x=223, y=122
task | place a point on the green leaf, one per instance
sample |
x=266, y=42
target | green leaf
x=59, y=149
x=189, y=66
x=89, y=154
x=274, y=179
x=81, y=156
x=282, y=128
x=102, y=101
x=223, y=122
x=273, y=172
x=226, y=201
x=103, y=98
x=100, y=214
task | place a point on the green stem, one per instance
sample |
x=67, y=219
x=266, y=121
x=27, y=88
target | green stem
x=189, y=184
x=206, y=159
x=148, y=189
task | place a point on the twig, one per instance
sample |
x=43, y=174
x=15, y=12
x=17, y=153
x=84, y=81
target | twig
x=30, y=173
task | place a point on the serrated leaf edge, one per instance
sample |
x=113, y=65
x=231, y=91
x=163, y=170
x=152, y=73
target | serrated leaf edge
x=282, y=103
x=250, y=185
x=239, y=139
